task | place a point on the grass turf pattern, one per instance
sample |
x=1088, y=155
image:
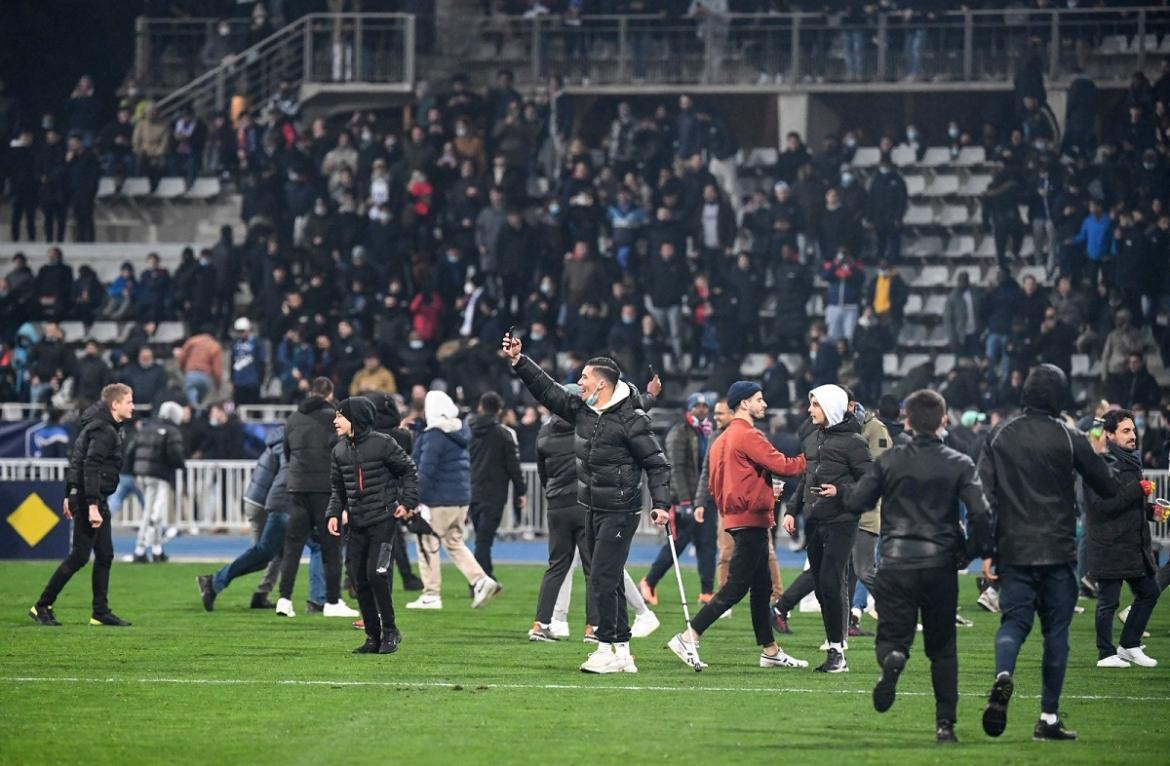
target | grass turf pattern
x=467, y=687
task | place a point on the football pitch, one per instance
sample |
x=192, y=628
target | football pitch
x=467, y=687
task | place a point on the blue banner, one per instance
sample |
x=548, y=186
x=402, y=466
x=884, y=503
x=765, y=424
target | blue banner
x=32, y=525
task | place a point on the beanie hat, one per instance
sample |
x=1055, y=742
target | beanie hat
x=695, y=399
x=740, y=391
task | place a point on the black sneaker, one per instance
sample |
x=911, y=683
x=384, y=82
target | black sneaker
x=1052, y=732
x=206, y=591
x=834, y=663
x=855, y=629
x=43, y=615
x=260, y=601
x=140, y=558
x=390, y=641
x=886, y=688
x=312, y=607
x=161, y=558
x=780, y=620
x=944, y=734
x=108, y=619
x=412, y=583
x=369, y=647
x=995, y=714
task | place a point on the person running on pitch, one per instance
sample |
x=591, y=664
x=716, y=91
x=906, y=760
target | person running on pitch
x=374, y=483
x=922, y=545
x=90, y=478
x=614, y=445
x=740, y=463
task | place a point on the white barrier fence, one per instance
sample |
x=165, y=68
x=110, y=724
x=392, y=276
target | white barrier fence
x=210, y=497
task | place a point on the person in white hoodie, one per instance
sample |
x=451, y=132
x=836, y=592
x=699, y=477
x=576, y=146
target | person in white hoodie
x=444, y=486
x=837, y=457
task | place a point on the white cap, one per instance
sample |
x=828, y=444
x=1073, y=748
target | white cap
x=242, y=325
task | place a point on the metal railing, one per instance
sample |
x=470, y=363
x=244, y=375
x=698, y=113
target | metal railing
x=318, y=48
x=210, y=498
x=808, y=47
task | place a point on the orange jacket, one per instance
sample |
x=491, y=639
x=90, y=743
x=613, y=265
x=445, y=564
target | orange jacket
x=741, y=466
x=202, y=353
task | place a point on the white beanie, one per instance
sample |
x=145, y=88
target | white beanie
x=834, y=402
x=172, y=411
x=441, y=412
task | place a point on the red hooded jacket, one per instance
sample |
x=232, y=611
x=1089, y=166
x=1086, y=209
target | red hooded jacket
x=741, y=466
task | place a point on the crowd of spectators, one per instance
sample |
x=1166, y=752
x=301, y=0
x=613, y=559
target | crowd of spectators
x=391, y=251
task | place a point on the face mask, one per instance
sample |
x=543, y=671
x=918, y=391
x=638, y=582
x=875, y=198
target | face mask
x=627, y=320
x=536, y=336
x=461, y=132
x=554, y=209
x=851, y=142
x=953, y=132
x=1140, y=423
x=545, y=288
x=416, y=344
x=859, y=413
x=1149, y=165
x=593, y=397
x=846, y=179
x=884, y=169
x=912, y=136
x=319, y=210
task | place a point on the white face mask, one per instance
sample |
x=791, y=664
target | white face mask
x=953, y=132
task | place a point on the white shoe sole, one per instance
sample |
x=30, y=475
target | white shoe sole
x=432, y=605
x=489, y=593
x=1112, y=662
x=644, y=625
x=776, y=662
x=689, y=655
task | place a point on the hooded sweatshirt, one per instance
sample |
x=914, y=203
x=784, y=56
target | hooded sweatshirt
x=441, y=452
x=370, y=475
x=837, y=454
x=834, y=402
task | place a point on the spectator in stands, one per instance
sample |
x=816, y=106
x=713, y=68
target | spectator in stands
x=888, y=201
x=373, y=377
x=116, y=145
x=1000, y=305
x=1041, y=200
x=249, y=363
x=1081, y=111
x=21, y=167
x=669, y=281
x=154, y=293
x=54, y=286
x=123, y=294
x=50, y=169
x=838, y=228
x=1056, y=341
x=823, y=359
x=1135, y=387
x=219, y=47
x=960, y=316
x=83, y=110
x=147, y=378
x=200, y=292
x=887, y=293
x=294, y=364
x=1001, y=209
x=200, y=359
x=81, y=183
x=50, y=364
x=845, y=276
x=1122, y=342
x=1095, y=237
x=1069, y=304
x=872, y=340
x=151, y=144
x=93, y=374
x=218, y=436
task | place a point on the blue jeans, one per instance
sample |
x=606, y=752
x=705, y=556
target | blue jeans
x=1024, y=592
x=126, y=487
x=196, y=385
x=853, y=46
x=256, y=558
x=912, y=51
x=995, y=347
x=316, y=572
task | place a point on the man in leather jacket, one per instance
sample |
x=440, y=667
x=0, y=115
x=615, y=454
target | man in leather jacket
x=614, y=446
x=1028, y=466
x=922, y=542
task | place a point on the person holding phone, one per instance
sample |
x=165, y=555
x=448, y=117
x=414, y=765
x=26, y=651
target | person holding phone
x=614, y=445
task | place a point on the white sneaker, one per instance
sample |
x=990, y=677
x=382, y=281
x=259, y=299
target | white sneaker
x=726, y=615
x=1123, y=615
x=844, y=644
x=1137, y=657
x=623, y=661
x=559, y=628
x=1112, y=661
x=426, y=601
x=600, y=660
x=685, y=651
x=284, y=608
x=340, y=609
x=644, y=624
x=485, y=590
x=963, y=622
x=989, y=600
x=781, y=659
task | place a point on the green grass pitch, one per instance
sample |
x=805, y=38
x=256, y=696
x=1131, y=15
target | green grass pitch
x=241, y=686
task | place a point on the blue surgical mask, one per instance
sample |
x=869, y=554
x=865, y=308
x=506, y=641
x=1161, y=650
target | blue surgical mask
x=1139, y=423
x=859, y=413
x=593, y=397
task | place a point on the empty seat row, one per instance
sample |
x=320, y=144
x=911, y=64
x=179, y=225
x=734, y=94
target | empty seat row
x=171, y=188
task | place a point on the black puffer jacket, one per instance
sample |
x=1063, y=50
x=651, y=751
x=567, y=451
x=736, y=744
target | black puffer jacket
x=158, y=450
x=837, y=455
x=96, y=457
x=495, y=461
x=369, y=473
x=613, y=445
x=308, y=443
x=920, y=486
x=1117, y=529
x=1027, y=466
x=556, y=462
x=388, y=420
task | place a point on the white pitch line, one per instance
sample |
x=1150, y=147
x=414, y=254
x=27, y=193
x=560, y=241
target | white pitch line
x=475, y=686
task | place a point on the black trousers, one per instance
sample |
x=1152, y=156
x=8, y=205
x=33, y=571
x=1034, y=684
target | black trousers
x=401, y=556
x=749, y=572
x=86, y=540
x=363, y=547
x=1145, y=597
x=23, y=207
x=306, y=515
x=568, y=532
x=706, y=545
x=610, y=535
x=803, y=585
x=901, y=594
x=83, y=215
x=830, y=548
x=54, y=213
x=485, y=517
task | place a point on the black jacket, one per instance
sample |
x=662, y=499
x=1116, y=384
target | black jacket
x=556, y=463
x=495, y=461
x=308, y=443
x=157, y=450
x=96, y=458
x=1117, y=529
x=1028, y=466
x=837, y=455
x=369, y=473
x=613, y=446
x=921, y=485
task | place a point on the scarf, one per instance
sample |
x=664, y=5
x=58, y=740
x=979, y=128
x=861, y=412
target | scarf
x=703, y=429
x=1127, y=459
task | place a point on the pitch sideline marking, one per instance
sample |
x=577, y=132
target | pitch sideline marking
x=487, y=686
